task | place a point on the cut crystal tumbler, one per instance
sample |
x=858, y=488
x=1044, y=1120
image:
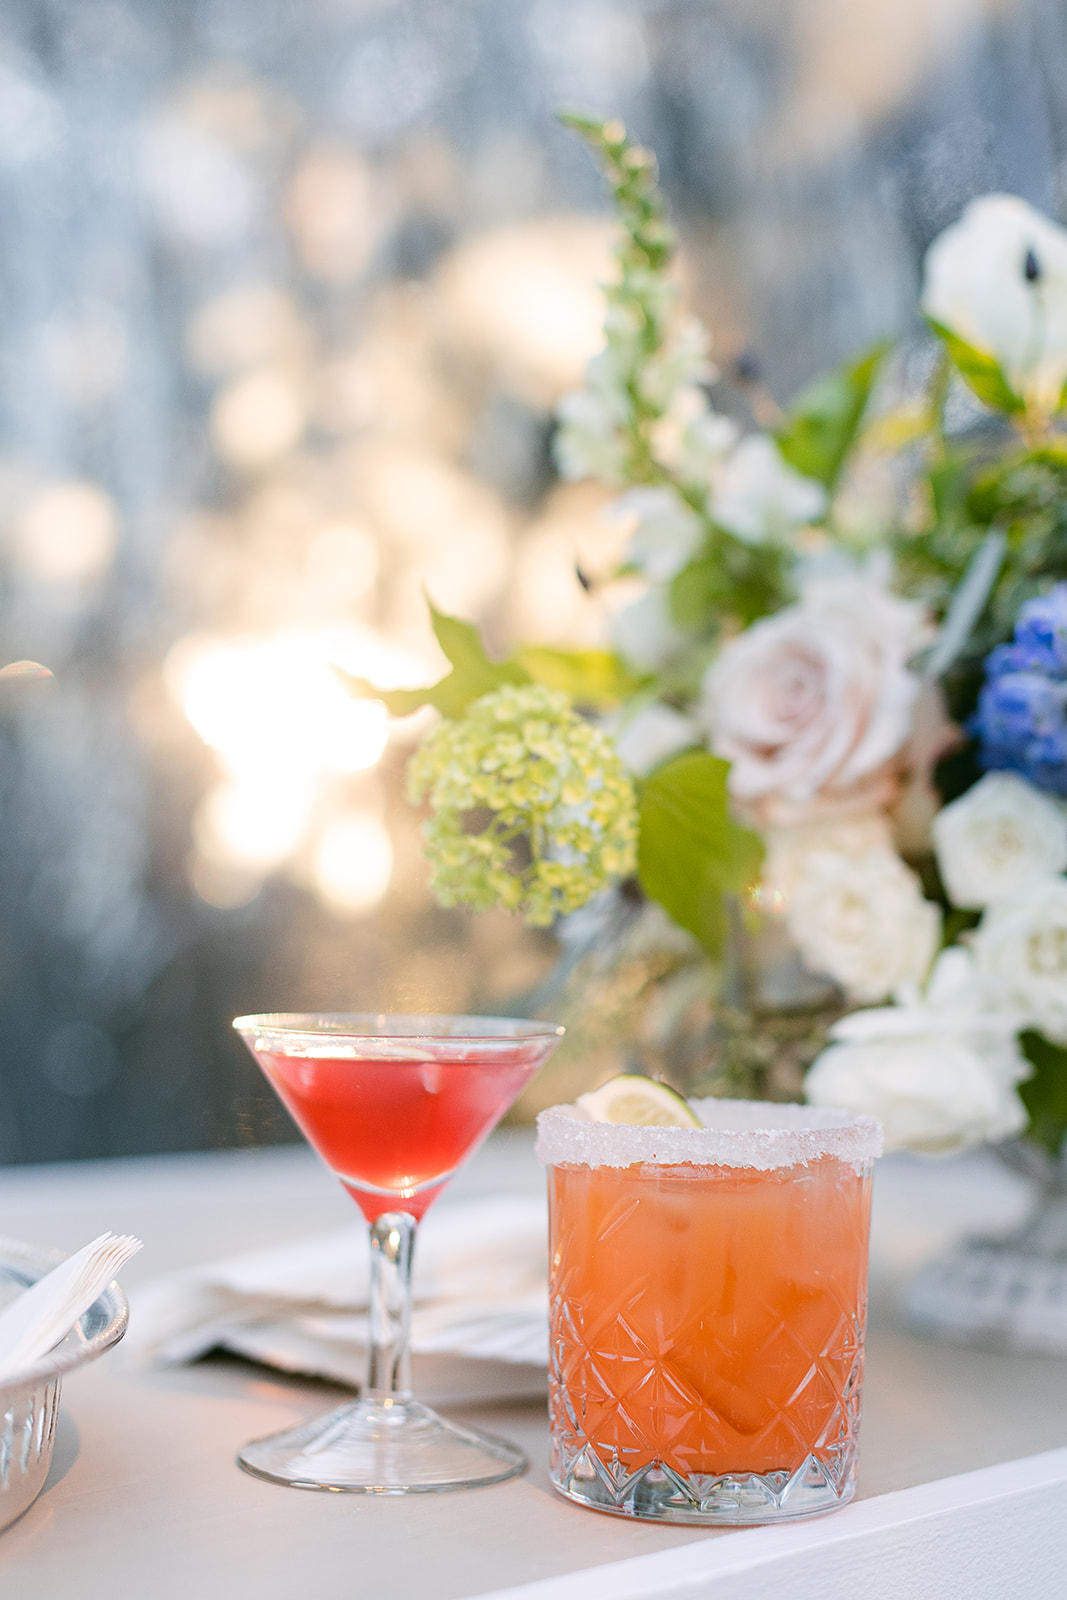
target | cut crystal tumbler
x=708, y=1300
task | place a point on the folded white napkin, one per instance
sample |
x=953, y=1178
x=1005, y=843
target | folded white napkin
x=479, y=1328
x=34, y=1322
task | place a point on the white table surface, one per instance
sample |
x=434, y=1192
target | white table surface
x=144, y=1498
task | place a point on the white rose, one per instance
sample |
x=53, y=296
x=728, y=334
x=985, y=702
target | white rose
x=811, y=705
x=645, y=633
x=652, y=735
x=790, y=849
x=997, y=838
x=938, y=1073
x=757, y=497
x=667, y=533
x=862, y=920
x=998, y=279
x=1020, y=951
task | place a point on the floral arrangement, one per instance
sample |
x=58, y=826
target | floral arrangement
x=833, y=721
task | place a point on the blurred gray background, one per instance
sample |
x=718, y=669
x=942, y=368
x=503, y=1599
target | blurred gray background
x=289, y=292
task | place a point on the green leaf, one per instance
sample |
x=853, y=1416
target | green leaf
x=1045, y=1094
x=956, y=921
x=730, y=579
x=595, y=678
x=473, y=674
x=824, y=419
x=398, y=702
x=698, y=593
x=690, y=852
x=949, y=482
x=980, y=371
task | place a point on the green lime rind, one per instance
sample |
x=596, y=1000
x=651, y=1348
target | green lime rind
x=638, y=1102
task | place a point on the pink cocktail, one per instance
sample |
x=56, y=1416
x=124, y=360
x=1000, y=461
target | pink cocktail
x=394, y=1127
x=393, y=1105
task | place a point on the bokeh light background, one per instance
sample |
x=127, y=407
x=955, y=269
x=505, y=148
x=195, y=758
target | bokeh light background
x=289, y=292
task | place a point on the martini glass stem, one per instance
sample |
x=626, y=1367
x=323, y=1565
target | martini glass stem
x=392, y=1245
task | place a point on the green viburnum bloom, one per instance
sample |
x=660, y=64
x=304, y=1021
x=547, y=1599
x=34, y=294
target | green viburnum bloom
x=532, y=808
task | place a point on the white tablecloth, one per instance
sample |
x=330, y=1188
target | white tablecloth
x=145, y=1501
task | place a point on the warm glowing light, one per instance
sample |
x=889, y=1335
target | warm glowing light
x=284, y=727
x=343, y=556
x=433, y=511
x=335, y=214
x=769, y=900
x=529, y=298
x=393, y=381
x=219, y=884
x=66, y=534
x=547, y=599
x=277, y=705
x=367, y=655
x=258, y=418
x=245, y=327
x=253, y=823
x=353, y=862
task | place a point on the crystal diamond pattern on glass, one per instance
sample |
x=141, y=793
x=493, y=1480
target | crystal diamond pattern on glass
x=707, y=1338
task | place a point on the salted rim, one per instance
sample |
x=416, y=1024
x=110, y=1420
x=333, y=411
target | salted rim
x=736, y=1133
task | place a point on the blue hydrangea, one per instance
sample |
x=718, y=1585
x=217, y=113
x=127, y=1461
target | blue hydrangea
x=1021, y=721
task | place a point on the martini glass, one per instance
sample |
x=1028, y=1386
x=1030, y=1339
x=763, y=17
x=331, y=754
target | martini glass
x=394, y=1105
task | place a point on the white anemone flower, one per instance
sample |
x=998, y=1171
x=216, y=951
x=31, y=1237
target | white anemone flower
x=997, y=279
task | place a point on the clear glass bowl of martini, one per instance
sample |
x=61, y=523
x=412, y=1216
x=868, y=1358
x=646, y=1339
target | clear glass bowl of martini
x=394, y=1105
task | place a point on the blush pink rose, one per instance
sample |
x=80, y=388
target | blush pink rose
x=814, y=705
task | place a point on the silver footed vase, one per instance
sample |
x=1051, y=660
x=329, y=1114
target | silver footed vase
x=1008, y=1291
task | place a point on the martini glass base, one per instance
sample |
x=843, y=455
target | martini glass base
x=382, y=1447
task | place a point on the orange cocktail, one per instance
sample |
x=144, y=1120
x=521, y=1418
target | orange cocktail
x=708, y=1302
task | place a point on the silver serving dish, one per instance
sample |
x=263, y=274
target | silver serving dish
x=29, y=1403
